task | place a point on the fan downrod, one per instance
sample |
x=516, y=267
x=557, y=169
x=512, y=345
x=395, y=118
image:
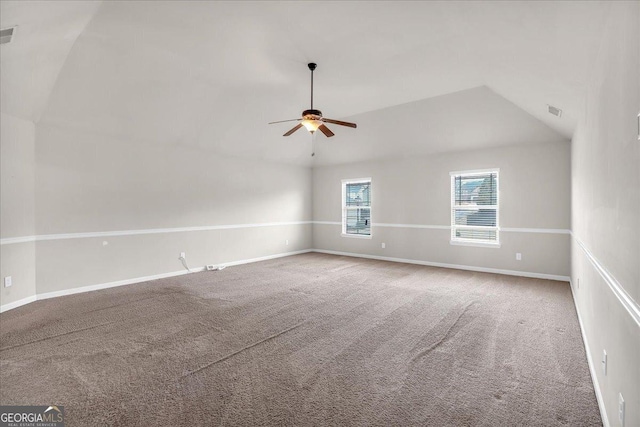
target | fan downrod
x=312, y=66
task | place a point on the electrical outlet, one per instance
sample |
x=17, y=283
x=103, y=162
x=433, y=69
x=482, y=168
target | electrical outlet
x=621, y=409
x=8, y=282
x=604, y=361
x=519, y=256
x=211, y=267
x=183, y=255
x=286, y=242
x=384, y=245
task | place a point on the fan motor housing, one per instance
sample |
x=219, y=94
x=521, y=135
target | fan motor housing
x=312, y=114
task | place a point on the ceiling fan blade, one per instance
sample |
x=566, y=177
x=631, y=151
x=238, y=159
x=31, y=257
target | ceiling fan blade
x=282, y=121
x=298, y=126
x=341, y=123
x=326, y=131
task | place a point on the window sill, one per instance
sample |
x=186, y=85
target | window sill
x=357, y=236
x=494, y=245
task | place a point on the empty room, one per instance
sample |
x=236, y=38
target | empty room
x=301, y=213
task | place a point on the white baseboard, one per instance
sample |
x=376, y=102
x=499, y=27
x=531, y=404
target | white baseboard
x=124, y=282
x=107, y=285
x=265, y=258
x=592, y=369
x=455, y=266
x=97, y=287
x=17, y=304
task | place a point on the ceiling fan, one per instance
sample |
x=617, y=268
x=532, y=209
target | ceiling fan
x=312, y=119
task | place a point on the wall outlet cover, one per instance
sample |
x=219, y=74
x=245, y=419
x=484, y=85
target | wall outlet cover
x=8, y=281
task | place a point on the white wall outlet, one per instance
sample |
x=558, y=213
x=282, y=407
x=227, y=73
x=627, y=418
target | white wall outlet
x=519, y=256
x=211, y=267
x=286, y=242
x=604, y=361
x=621, y=409
x=8, y=282
x=183, y=255
x=384, y=245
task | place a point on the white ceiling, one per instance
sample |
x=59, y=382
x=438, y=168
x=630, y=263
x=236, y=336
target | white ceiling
x=212, y=74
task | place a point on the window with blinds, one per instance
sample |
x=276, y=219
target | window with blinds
x=356, y=207
x=475, y=207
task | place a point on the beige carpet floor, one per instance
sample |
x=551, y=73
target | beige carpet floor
x=311, y=339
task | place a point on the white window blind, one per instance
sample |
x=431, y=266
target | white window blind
x=475, y=207
x=356, y=207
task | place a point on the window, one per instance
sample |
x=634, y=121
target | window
x=356, y=207
x=474, y=208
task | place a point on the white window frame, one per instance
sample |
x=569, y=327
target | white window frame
x=475, y=242
x=346, y=208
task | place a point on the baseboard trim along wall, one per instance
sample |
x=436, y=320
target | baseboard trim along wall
x=454, y=266
x=124, y=282
x=17, y=304
x=117, y=283
x=631, y=306
x=627, y=302
x=90, y=288
x=592, y=368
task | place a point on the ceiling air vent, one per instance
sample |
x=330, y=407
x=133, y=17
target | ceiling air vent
x=555, y=111
x=6, y=35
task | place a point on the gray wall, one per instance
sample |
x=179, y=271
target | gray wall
x=97, y=183
x=17, y=216
x=606, y=211
x=138, y=202
x=534, y=194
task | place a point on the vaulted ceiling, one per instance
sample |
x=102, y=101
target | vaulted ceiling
x=418, y=77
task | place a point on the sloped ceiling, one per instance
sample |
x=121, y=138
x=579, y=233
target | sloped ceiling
x=45, y=34
x=466, y=120
x=212, y=74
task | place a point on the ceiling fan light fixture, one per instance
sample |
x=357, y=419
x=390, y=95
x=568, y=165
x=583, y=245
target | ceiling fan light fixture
x=311, y=125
